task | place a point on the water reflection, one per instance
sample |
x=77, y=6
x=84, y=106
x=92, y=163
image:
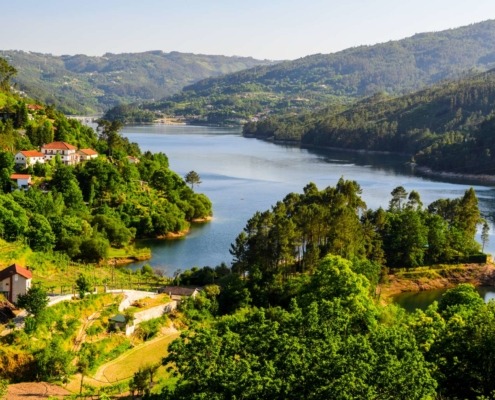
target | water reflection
x=412, y=301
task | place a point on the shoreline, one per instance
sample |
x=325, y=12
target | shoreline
x=453, y=175
x=422, y=279
x=484, y=179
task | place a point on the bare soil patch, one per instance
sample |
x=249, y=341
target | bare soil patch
x=35, y=390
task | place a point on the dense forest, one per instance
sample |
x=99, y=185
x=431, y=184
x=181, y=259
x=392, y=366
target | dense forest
x=300, y=316
x=445, y=127
x=315, y=81
x=80, y=84
x=84, y=209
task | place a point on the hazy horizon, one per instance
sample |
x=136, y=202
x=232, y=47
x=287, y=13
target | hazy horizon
x=276, y=30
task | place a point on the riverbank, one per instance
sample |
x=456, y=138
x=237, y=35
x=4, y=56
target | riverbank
x=441, y=277
x=445, y=175
x=183, y=233
x=484, y=179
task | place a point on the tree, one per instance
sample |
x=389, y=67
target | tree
x=53, y=362
x=399, y=194
x=83, y=286
x=192, y=178
x=34, y=301
x=485, y=235
x=40, y=234
x=7, y=163
x=7, y=71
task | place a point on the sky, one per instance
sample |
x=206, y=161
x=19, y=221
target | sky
x=264, y=29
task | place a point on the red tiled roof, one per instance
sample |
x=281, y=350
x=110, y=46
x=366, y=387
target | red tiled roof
x=34, y=107
x=58, y=146
x=31, y=153
x=15, y=269
x=20, y=176
x=88, y=152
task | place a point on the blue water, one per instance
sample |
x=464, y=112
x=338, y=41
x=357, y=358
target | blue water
x=242, y=176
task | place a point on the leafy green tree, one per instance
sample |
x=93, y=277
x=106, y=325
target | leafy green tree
x=40, y=233
x=399, y=194
x=83, y=286
x=309, y=352
x=34, y=301
x=6, y=169
x=192, y=178
x=7, y=71
x=464, y=295
x=405, y=239
x=233, y=294
x=139, y=382
x=94, y=249
x=53, y=362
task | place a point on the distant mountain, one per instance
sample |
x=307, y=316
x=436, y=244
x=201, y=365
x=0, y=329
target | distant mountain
x=84, y=84
x=447, y=127
x=395, y=67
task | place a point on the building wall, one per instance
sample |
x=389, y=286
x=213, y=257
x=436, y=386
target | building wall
x=20, y=285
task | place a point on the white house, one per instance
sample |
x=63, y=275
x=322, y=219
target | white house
x=23, y=181
x=87, y=154
x=27, y=158
x=14, y=280
x=67, y=152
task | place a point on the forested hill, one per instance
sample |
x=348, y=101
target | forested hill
x=446, y=127
x=395, y=67
x=84, y=84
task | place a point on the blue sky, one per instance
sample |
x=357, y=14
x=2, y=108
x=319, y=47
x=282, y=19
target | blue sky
x=271, y=29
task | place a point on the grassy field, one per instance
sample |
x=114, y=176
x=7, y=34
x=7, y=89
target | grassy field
x=126, y=365
x=58, y=274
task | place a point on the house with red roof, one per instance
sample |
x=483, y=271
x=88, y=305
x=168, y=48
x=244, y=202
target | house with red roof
x=14, y=281
x=23, y=181
x=27, y=158
x=67, y=152
x=87, y=154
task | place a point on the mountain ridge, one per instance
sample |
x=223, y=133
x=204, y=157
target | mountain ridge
x=87, y=84
x=314, y=81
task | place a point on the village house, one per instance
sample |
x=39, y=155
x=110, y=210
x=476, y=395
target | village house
x=68, y=153
x=23, y=181
x=87, y=154
x=178, y=292
x=132, y=159
x=14, y=281
x=27, y=158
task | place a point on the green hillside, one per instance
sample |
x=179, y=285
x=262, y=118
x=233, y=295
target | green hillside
x=448, y=126
x=312, y=82
x=83, y=84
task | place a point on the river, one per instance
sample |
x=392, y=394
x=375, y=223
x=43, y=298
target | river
x=242, y=176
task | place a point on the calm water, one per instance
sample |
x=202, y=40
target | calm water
x=242, y=176
x=414, y=300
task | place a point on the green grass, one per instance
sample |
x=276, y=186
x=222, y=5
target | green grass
x=131, y=251
x=127, y=364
